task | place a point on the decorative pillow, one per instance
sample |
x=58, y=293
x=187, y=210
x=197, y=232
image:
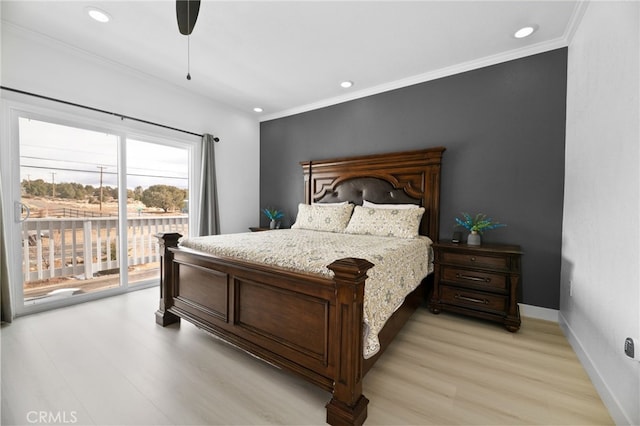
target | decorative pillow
x=371, y=205
x=323, y=218
x=402, y=223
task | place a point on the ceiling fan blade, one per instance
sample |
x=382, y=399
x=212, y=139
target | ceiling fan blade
x=187, y=14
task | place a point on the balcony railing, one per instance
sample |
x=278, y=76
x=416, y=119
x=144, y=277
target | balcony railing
x=84, y=247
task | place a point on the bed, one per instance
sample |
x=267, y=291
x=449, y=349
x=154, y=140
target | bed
x=311, y=324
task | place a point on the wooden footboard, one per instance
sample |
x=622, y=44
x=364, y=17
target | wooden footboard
x=307, y=324
x=310, y=325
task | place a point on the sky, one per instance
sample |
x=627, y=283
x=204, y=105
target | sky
x=58, y=153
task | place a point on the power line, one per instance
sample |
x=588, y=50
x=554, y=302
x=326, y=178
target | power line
x=26, y=166
x=57, y=149
x=97, y=172
x=30, y=157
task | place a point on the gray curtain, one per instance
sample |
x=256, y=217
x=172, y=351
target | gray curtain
x=6, y=310
x=209, y=219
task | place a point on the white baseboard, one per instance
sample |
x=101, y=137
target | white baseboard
x=618, y=415
x=538, y=312
x=616, y=411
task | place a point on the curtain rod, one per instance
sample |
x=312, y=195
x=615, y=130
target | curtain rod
x=122, y=117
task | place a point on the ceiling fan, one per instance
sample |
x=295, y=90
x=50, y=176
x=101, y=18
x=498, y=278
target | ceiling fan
x=187, y=15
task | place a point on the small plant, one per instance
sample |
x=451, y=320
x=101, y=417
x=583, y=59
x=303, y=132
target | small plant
x=273, y=214
x=479, y=223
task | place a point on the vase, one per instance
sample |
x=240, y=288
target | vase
x=272, y=224
x=474, y=239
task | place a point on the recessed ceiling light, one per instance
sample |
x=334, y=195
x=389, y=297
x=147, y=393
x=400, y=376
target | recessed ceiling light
x=98, y=15
x=525, y=31
x=346, y=84
x=258, y=109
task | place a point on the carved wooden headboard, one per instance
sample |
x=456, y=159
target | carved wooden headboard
x=395, y=178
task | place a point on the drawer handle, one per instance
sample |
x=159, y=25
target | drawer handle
x=471, y=299
x=472, y=278
x=473, y=259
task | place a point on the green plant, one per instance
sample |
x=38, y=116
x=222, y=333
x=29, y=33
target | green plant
x=273, y=214
x=478, y=223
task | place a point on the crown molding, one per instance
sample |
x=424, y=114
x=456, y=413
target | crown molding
x=422, y=78
x=575, y=20
x=563, y=41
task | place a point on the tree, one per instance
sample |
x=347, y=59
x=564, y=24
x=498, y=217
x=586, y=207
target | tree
x=137, y=193
x=164, y=196
x=110, y=192
x=37, y=188
x=71, y=190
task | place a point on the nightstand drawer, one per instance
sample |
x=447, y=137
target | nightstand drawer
x=474, y=278
x=480, y=281
x=472, y=299
x=475, y=260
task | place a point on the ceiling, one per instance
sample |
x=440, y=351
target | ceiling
x=290, y=56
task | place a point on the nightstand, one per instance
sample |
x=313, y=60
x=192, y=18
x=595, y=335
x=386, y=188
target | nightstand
x=261, y=228
x=480, y=281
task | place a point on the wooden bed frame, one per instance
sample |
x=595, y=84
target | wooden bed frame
x=307, y=324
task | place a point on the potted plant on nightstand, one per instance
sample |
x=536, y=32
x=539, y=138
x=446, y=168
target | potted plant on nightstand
x=273, y=216
x=476, y=225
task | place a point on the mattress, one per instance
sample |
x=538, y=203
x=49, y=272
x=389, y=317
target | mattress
x=400, y=264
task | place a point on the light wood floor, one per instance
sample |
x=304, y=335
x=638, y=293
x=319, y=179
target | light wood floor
x=108, y=363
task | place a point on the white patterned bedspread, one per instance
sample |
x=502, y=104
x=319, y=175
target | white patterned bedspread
x=400, y=264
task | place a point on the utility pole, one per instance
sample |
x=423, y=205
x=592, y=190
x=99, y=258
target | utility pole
x=101, y=171
x=53, y=185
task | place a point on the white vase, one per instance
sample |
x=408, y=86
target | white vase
x=474, y=239
x=272, y=224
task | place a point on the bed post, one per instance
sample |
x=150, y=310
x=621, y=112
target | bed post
x=166, y=240
x=348, y=405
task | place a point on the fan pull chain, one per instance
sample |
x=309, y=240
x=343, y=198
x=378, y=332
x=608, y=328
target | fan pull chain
x=188, y=41
x=188, y=57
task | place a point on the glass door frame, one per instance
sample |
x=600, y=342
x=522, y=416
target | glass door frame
x=10, y=169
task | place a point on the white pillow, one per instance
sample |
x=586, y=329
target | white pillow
x=402, y=223
x=371, y=205
x=323, y=218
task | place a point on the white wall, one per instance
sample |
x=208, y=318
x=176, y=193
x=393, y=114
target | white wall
x=40, y=65
x=600, y=287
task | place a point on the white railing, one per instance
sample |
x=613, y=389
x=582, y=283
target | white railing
x=60, y=247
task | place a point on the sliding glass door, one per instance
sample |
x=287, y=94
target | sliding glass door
x=69, y=187
x=157, y=201
x=89, y=204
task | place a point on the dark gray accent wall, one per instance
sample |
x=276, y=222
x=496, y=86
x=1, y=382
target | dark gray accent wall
x=504, y=130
